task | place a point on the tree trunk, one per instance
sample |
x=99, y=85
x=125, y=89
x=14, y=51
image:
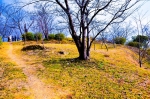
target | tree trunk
x=26, y=31
x=140, y=63
x=83, y=54
x=81, y=44
x=81, y=49
x=88, y=53
x=37, y=38
x=46, y=36
x=106, y=46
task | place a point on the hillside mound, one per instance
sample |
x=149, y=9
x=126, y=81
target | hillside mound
x=32, y=47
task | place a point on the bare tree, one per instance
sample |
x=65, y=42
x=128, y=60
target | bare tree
x=18, y=19
x=81, y=14
x=120, y=30
x=5, y=30
x=142, y=30
x=14, y=19
x=26, y=30
x=44, y=19
x=128, y=30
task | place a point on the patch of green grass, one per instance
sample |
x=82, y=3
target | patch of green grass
x=93, y=79
x=13, y=73
x=101, y=65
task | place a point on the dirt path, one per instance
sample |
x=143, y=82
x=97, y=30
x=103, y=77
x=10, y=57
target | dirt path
x=37, y=88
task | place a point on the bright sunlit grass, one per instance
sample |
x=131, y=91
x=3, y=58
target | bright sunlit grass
x=108, y=74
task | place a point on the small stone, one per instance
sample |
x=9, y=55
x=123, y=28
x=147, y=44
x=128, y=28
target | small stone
x=63, y=52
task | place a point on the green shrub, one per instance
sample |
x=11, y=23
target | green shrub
x=120, y=40
x=1, y=41
x=38, y=36
x=29, y=36
x=143, y=39
x=51, y=36
x=134, y=44
x=60, y=36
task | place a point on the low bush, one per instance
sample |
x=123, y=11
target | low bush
x=60, y=36
x=38, y=36
x=29, y=36
x=120, y=40
x=142, y=38
x=134, y=44
x=51, y=36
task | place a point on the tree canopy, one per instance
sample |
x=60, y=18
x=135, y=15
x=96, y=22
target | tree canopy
x=85, y=16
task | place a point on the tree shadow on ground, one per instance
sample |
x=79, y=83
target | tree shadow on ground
x=72, y=62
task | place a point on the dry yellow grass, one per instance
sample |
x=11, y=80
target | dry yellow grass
x=108, y=74
x=12, y=80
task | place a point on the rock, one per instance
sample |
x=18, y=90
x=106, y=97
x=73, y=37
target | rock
x=63, y=52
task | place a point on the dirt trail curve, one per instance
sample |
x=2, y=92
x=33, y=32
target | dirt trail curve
x=38, y=89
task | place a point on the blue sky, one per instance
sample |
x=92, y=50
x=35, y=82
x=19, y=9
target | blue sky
x=145, y=7
x=7, y=1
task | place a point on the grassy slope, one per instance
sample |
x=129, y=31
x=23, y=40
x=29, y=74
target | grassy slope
x=112, y=74
x=12, y=79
